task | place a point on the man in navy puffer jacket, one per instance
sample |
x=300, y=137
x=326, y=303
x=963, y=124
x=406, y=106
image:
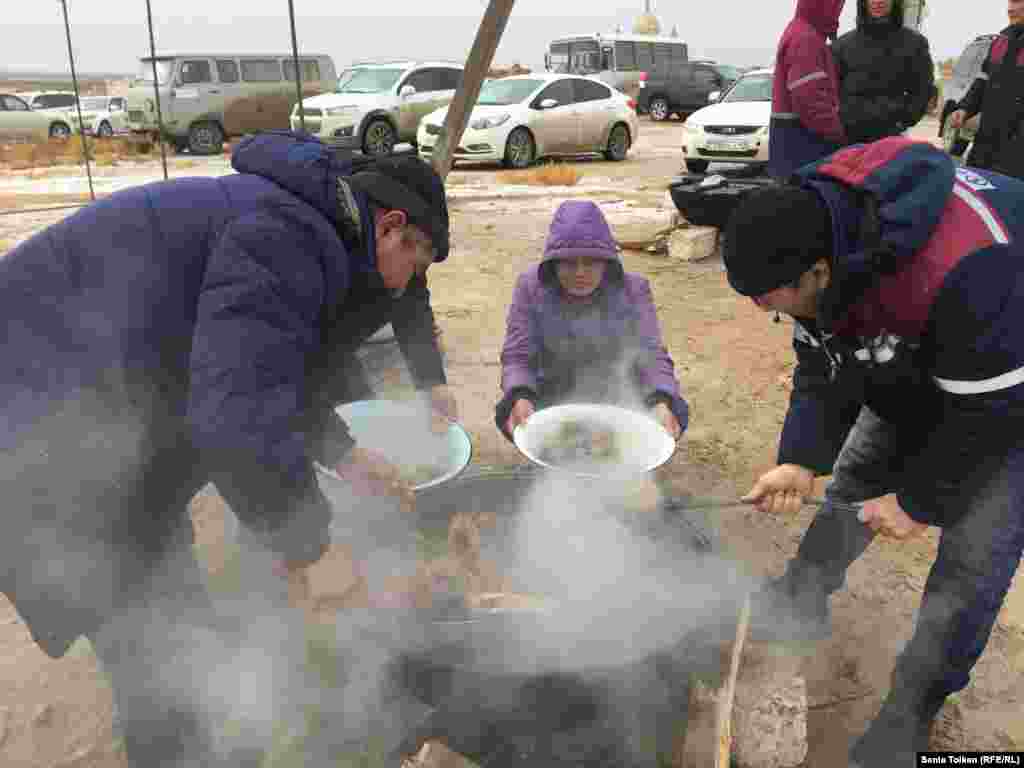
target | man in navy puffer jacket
x=171, y=335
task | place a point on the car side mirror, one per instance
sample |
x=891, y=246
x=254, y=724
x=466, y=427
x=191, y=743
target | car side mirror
x=714, y=96
x=548, y=103
x=407, y=90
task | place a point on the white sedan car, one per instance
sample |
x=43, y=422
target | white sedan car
x=735, y=128
x=519, y=119
x=104, y=116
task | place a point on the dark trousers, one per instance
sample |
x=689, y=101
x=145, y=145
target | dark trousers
x=182, y=663
x=968, y=581
x=154, y=653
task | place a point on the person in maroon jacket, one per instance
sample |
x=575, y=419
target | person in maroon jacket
x=805, y=125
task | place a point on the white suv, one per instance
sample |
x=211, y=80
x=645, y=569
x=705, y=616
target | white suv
x=377, y=106
x=50, y=101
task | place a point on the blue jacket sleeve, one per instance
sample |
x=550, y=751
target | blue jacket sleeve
x=821, y=412
x=257, y=322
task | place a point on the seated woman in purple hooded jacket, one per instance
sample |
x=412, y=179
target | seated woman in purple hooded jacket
x=580, y=328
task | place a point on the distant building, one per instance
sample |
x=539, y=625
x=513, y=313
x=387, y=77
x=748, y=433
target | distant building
x=647, y=23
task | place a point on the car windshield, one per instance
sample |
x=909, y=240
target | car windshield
x=370, y=80
x=53, y=101
x=496, y=93
x=728, y=72
x=164, y=68
x=343, y=78
x=751, y=88
x=95, y=103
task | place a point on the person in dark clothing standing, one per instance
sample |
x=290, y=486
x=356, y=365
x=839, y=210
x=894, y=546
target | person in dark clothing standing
x=998, y=94
x=805, y=124
x=886, y=75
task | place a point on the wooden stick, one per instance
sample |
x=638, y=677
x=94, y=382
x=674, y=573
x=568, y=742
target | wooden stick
x=724, y=727
x=488, y=36
x=708, y=739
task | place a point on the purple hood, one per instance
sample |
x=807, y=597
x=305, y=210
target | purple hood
x=580, y=229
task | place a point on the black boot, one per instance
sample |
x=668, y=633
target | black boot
x=892, y=740
x=791, y=609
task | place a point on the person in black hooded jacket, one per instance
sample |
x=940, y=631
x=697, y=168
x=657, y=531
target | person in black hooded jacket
x=997, y=95
x=886, y=75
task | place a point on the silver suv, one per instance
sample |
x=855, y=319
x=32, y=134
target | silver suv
x=379, y=105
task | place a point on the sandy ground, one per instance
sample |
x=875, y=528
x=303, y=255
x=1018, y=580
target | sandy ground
x=734, y=365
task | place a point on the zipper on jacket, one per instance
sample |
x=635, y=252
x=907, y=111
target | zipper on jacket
x=833, y=363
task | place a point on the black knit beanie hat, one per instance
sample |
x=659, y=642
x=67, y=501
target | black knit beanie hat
x=774, y=236
x=411, y=185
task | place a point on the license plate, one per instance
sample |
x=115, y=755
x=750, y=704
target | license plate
x=729, y=144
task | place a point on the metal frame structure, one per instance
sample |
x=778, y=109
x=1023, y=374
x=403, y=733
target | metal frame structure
x=488, y=36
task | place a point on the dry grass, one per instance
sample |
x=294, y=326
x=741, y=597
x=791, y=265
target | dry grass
x=548, y=175
x=45, y=154
x=12, y=200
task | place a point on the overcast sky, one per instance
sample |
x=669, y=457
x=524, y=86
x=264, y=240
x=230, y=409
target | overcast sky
x=110, y=35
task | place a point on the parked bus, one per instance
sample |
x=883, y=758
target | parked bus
x=617, y=59
x=207, y=98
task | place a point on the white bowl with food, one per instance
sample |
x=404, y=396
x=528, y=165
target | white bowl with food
x=401, y=432
x=594, y=440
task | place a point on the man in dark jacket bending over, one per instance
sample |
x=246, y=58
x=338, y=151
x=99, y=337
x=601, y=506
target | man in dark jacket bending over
x=175, y=334
x=885, y=73
x=905, y=281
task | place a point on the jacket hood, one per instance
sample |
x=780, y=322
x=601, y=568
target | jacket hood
x=865, y=20
x=823, y=15
x=306, y=167
x=885, y=199
x=579, y=228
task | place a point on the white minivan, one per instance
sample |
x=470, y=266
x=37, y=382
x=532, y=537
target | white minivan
x=207, y=98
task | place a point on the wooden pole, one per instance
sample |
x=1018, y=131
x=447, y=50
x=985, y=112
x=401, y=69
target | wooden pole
x=708, y=739
x=477, y=65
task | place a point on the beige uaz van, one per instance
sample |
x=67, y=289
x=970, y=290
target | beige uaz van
x=207, y=98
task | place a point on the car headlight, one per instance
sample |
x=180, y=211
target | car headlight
x=763, y=131
x=692, y=127
x=494, y=121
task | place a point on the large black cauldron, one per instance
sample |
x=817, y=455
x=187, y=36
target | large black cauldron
x=500, y=699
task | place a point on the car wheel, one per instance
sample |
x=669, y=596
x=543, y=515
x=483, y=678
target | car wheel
x=520, y=149
x=60, y=131
x=952, y=141
x=697, y=166
x=379, y=138
x=618, y=143
x=105, y=131
x=659, y=109
x=205, y=139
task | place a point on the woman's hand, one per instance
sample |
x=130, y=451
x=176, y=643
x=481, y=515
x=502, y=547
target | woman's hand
x=664, y=416
x=522, y=410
